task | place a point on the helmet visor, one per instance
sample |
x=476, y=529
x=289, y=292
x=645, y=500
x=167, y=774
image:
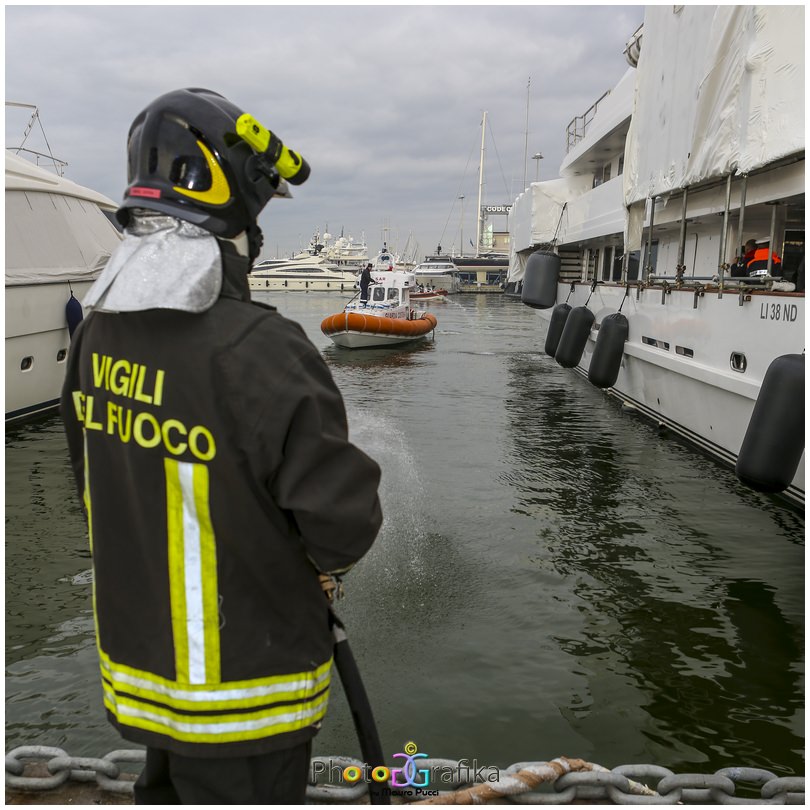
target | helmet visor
x=176, y=154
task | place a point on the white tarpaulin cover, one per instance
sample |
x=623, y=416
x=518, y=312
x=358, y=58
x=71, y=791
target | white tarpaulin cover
x=55, y=230
x=537, y=216
x=720, y=90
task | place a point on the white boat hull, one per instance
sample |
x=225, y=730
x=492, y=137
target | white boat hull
x=677, y=364
x=370, y=340
x=345, y=285
x=37, y=344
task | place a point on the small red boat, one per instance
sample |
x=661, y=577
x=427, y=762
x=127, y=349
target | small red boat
x=429, y=295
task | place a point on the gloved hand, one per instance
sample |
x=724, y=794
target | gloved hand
x=332, y=587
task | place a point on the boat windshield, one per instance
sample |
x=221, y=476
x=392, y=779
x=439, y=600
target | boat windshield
x=378, y=294
x=393, y=294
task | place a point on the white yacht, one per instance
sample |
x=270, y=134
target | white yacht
x=345, y=252
x=59, y=236
x=629, y=254
x=319, y=268
x=439, y=273
x=304, y=274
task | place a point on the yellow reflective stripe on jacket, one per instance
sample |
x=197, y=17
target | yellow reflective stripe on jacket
x=192, y=573
x=296, y=686
x=86, y=497
x=220, y=728
x=222, y=712
x=89, y=513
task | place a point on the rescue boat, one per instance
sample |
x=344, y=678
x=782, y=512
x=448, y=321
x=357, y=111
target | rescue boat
x=385, y=319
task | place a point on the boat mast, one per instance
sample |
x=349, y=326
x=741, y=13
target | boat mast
x=526, y=146
x=480, y=186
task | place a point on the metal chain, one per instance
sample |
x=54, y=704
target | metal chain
x=625, y=784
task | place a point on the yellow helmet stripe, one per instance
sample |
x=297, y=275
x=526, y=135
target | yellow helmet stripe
x=220, y=191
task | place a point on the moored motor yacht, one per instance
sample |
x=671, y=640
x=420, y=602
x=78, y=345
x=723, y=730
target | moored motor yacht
x=302, y=273
x=628, y=255
x=59, y=236
x=441, y=273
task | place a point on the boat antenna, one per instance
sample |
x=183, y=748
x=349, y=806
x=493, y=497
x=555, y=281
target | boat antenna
x=458, y=192
x=526, y=147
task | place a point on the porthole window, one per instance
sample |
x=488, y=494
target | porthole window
x=738, y=362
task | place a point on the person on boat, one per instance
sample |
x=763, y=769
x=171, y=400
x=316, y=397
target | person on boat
x=740, y=265
x=210, y=448
x=757, y=264
x=365, y=280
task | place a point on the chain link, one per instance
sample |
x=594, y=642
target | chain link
x=626, y=784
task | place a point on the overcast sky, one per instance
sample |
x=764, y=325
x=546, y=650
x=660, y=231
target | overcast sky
x=385, y=102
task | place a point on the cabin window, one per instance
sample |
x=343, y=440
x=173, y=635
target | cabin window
x=378, y=294
x=591, y=259
x=650, y=262
x=616, y=271
x=607, y=259
x=633, y=264
x=393, y=294
x=601, y=175
x=792, y=256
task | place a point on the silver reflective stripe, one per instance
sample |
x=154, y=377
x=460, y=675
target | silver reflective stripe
x=297, y=716
x=192, y=567
x=310, y=684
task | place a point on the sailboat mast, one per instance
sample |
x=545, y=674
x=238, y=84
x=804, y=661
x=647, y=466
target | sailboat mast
x=480, y=185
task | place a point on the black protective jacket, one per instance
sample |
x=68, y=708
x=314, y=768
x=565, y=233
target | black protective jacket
x=212, y=455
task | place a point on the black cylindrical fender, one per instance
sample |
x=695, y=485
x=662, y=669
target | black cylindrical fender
x=603, y=370
x=540, y=280
x=559, y=315
x=73, y=313
x=774, y=441
x=574, y=337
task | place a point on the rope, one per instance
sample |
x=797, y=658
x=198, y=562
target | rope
x=626, y=296
x=573, y=287
x=525, y=780
x=559, y=222
x=453, y=206
x=593, y=287
x=495, y=147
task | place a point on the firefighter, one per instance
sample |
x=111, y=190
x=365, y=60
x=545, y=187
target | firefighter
x=210, y=448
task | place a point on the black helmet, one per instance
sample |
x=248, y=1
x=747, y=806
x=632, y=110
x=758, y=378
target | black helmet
x=186, y=159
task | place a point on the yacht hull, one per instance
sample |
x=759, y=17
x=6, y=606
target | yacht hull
x=37, y=345
x=695, y=362
x=312, y=284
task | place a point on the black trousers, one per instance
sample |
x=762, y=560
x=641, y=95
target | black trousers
x=276, y=778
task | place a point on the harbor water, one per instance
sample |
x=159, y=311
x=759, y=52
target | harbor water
x=553, y=576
